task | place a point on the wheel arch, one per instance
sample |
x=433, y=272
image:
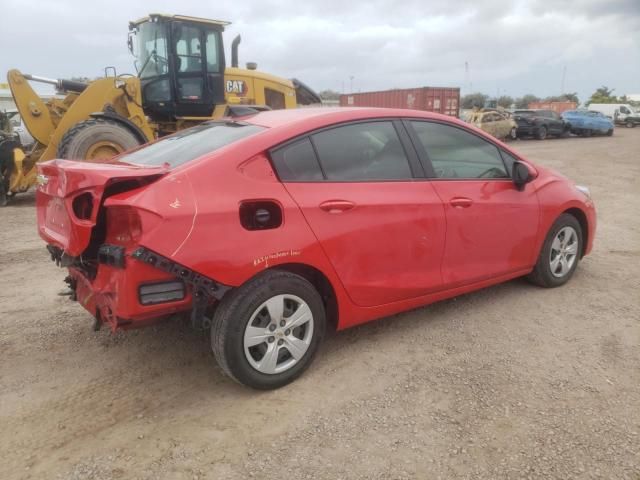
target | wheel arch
x=321, y=283
x=584, y=226
x=125, y=122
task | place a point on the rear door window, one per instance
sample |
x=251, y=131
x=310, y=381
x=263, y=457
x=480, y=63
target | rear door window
x=190, y=144
x=297, y=162
x=361, y=152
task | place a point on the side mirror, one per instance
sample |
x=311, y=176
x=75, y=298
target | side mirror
x=522, y=174
x=130, y=43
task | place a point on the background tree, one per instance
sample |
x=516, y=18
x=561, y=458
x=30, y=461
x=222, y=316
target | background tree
x=329, y=95
x=505, y=101
x=474, y=100
x=524, y=101
x=603, y=95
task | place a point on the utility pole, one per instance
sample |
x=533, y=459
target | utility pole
x=467, y=77
x=351, y=77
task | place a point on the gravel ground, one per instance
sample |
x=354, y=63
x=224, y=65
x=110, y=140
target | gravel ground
x=512, y=381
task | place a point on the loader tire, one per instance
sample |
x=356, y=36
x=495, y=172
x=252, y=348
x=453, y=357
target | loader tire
x=94, y=139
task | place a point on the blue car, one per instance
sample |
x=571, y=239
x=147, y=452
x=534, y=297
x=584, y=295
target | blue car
x=587, y=123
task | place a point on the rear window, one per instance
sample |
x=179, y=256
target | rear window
x=189, y=144
x=524, y=113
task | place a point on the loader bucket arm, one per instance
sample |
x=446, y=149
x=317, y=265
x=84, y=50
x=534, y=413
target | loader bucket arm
x=33, y=110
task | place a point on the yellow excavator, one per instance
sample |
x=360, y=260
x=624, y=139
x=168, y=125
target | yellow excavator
x=182, y=80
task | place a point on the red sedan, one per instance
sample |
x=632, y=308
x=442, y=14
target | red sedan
x=269, y=229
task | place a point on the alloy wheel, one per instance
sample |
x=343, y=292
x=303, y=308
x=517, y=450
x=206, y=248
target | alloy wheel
x=564, y=251
x=278, y=334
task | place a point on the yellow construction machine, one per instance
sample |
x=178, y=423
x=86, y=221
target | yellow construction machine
x=182, y=80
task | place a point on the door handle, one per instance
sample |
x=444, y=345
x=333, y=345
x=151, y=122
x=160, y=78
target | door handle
x=336, y=206
x=461, y=202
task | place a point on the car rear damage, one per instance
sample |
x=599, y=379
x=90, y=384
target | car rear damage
x=92, y=229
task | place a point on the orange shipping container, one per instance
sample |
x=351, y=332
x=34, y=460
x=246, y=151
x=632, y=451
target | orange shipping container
x=430, y=99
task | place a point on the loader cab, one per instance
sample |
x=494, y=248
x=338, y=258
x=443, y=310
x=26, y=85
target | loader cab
x=180, y=63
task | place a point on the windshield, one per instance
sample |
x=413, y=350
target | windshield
x=151, y=51
x=190, y=144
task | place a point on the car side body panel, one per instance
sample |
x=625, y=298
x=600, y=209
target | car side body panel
x=557, y=196
x=491, y=229
x=387, y=245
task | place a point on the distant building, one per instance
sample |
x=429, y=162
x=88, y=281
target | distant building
x=6, y=99
x=557, y=107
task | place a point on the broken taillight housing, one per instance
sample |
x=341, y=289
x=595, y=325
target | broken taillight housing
x=83, y=206
x=124, y=226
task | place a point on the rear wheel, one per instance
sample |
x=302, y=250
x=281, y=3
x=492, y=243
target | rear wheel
x=629, y=124
x=542, y=133
x=610, y=132
x=266, y=332
x=94, y=139
x=560, y=253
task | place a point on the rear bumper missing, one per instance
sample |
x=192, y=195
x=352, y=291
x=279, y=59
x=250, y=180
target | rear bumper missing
x=129, y=290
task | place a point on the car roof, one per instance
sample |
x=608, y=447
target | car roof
x=318, y=116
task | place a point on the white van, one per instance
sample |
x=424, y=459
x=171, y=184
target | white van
x=620, y=113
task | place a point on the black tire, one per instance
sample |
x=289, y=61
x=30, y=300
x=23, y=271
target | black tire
x=610, y=132
x=542, y=133
x=541, y=274
x=236, y=309
x=629, y=124
x=80, y=141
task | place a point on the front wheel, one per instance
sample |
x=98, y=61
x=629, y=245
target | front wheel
x=542, y=133
x=629, y=124
x=266, y=332
x=560, y=253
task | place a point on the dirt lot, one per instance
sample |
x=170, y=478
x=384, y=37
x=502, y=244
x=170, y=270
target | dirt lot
x=509, y=382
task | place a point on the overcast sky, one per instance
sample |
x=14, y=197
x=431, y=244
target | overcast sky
x=511, y=47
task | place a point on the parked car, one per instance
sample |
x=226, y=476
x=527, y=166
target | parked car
x=26, y=140
x=620, y=113
x=272, y=227
x=494, y=123
x=539, y=124
x=587, y=123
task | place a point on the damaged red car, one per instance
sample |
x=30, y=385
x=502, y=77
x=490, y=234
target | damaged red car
x=269, y=229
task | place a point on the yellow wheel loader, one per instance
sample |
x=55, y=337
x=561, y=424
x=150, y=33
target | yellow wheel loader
x=182, y=80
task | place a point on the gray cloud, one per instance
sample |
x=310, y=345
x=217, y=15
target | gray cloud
x=511, y=47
